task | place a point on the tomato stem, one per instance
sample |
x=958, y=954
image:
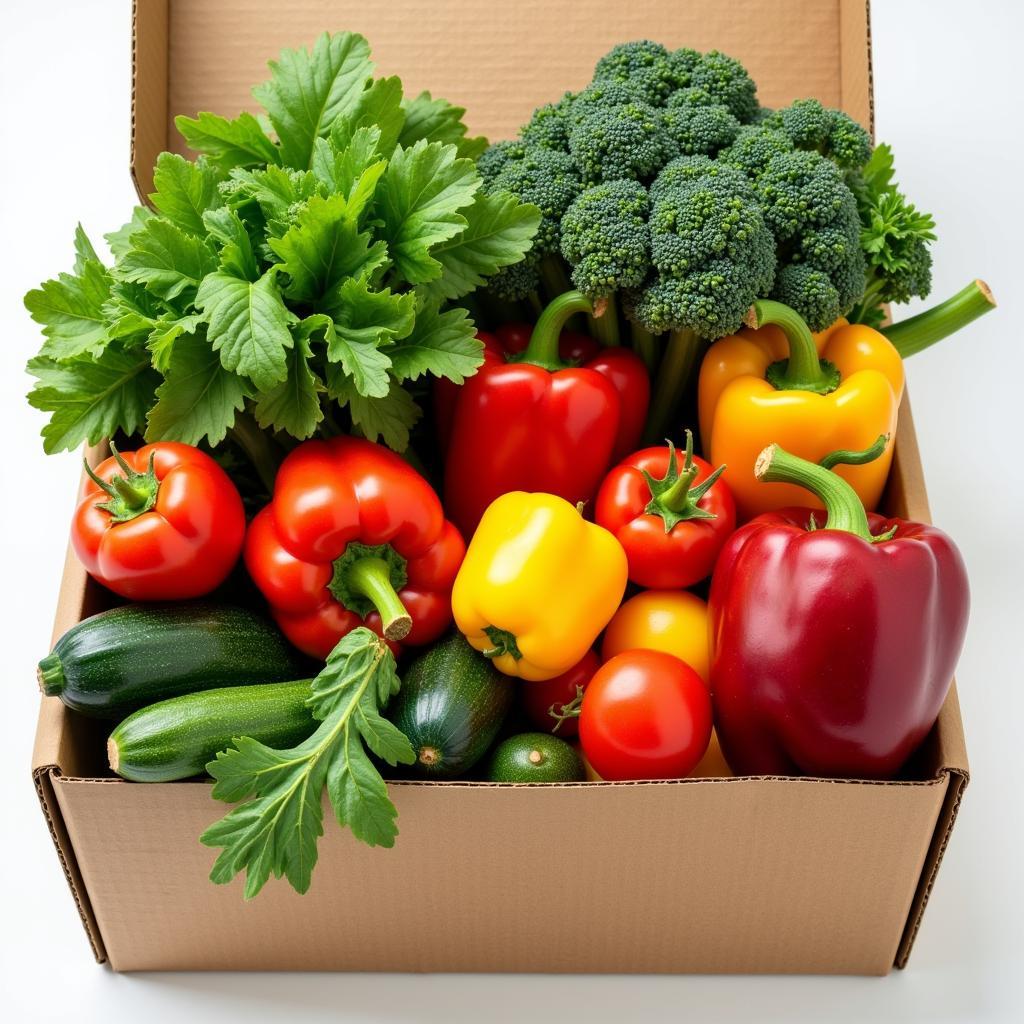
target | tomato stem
x=673, y=497
x=368, y=577
x=131, y=494
x=570, y=710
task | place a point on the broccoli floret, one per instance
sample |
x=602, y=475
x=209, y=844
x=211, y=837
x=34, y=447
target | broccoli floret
x=546, y=178
x=650, y=70
x=626, y=141
x=495, y=156
x=726, y=81
x=599, y=96
x=686, y=169
x=754, y=148
x=517, y=281
x=810, y=125
x=799, y=191
x=699, y=129
x=606, y=239
x=811, y=292
x=549, y=125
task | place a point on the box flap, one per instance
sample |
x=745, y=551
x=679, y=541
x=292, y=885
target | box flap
x=498, y=60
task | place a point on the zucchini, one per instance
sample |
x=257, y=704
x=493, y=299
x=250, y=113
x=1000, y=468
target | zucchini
x=451, y=705
x=177, y=738
x=112, y=663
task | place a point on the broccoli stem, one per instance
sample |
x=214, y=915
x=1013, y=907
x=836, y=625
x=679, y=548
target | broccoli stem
x=918, y=332
x=682, y=353
x=553, y=277
x=543, y=347
x=257, y=446
x=644, y=345
x=534, y=304
x=803, y=370
x=605, y=327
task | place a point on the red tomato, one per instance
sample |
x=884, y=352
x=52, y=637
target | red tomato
x=162, y=523
x=538, y=697
x=645, y=715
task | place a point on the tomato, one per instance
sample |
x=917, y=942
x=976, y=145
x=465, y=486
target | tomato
x=645, y=715
x=672, y=621
x=539, y=697
x=162, y=523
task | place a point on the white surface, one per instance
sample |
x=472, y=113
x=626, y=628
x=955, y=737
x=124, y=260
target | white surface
x=948, y=96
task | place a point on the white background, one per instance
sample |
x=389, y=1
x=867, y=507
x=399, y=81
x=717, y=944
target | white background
x=948, y=94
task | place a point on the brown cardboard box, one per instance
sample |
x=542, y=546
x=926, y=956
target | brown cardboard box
x=709, y=875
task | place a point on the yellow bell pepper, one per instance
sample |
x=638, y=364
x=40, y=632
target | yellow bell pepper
x=538, y=585
x=774, y=382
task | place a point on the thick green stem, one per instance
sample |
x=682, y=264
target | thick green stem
x=553, y=276
x=803, y=370
x=844, y=507
x=543, y=347
x=604, y=321
x=682, y=354
x=371, y=577
x=644, y=345
x=845, y=457
x=918, y=332
x=255, y=442
x=50, y=675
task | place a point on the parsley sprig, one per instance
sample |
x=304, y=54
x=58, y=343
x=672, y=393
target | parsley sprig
x=276, y=831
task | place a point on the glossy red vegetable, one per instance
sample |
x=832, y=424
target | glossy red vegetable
x=645, y=715
x=833, y=647
x=539, y=697
x=670, y=512
x=162, y=523
x=353, y=536
x=535, y=424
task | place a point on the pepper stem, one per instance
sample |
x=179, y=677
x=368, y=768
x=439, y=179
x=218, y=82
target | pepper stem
x=919, y=332
x=845, y=457
x=845, y=509
x=369, y=577
x=543, y=347
x=803, y=370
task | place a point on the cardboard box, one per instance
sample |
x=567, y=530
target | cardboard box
x=708, y=875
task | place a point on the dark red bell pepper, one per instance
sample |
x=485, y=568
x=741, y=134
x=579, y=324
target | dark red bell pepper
x=353, y=536
x=533, y=422
x=834, y=635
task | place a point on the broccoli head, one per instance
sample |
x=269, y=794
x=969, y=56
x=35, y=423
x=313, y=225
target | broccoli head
x=799, y=191
x=699, y=129
x=517, y=281
x=649, y=70
x=549, y=125
x=546, y=178
x=685, y=169
x=605, y=237
x=754, y=148
x=810, y=125
x=495, y=156
x=726, y=81
x=630, y=140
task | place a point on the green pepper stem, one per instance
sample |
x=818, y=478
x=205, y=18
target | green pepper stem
x=604, y=321
x=543, y=347
x=845, y=457
x=371, y=577
x=917, y=333
x=803, y=370
x=50, y=674
x=845, y=509
x=682, y=354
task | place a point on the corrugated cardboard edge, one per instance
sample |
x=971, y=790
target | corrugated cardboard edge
x=149, y=91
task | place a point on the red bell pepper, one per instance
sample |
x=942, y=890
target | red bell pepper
x=533, y=422
x=670, y=512
x=834, y=635
x=353, y=536
x=162, y=523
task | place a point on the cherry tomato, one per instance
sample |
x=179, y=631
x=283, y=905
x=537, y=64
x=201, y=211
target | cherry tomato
x=645, y=715
x=539, y=697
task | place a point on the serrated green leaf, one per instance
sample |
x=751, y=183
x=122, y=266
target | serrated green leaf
x=353, y=173
x=443, y=344
x=293, y=405
x=166, y=259
x=384, y=738
x=500, y=232
x=431, y=120
x=390, y=418
x=131, y=310
x=91, y=399
x=228, y=143
x=236, y=254
x=84, y=252
x=309, y=89
x=248, y=325
x=70, y=310
x=380, y=108
x=418, y=200
x=165, y=331
x=119, y=240
x=359, y=796
x=471, y=147
x=198, y=399
x=185, y=190
x=323, y=249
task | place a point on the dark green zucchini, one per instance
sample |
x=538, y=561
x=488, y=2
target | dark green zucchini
x=177, y=738
x=112, y=663
x=451, y=705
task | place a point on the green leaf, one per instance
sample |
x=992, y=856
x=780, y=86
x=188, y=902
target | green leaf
x=500, y=232
x=119, y=240
x=444, y=344
x=228, y=143
x=184, y=191
x=418, y=200
x=236, y=254
x=198, y=399
x=293, y=405
x=353, y=173
x=70, y=310
x=132, y=311
x=323, y=249
x=277, y=190
x=384, y=738
x=91, y=399
x=276, y=831
x=165, y=332
x=432, y=121
x=84, y=252
x=390, y=417
x=380, y=108
x=309, y=89
x=248, y=325
x=167, y=260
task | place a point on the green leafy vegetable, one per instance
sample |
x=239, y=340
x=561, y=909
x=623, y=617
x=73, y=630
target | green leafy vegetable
x=315, y=260
x=275, y=831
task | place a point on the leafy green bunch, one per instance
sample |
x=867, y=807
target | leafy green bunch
x=305, y=266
